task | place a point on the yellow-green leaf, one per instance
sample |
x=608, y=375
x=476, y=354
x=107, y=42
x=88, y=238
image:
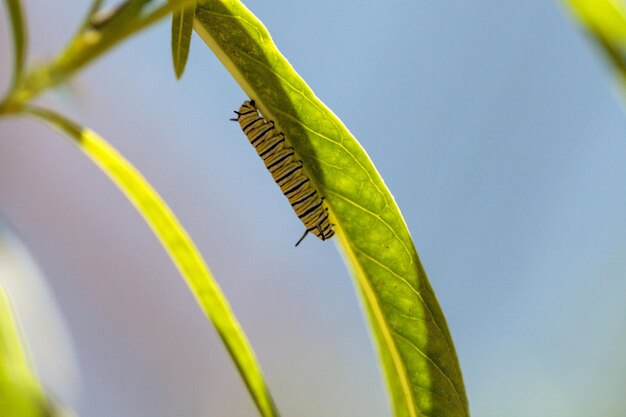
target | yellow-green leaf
x=179, y=247
x=605, y=21
x=18, y=32
x=417, y=354
x=604, y=15
x=182, y=26
x=20, y=392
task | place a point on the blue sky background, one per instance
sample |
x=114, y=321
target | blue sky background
x=493, y=123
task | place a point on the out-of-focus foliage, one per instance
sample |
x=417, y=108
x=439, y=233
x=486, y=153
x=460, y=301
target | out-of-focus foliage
x=20, y=392
x=100, y=31
x=605, y=20
x=179, y=247
x=18, y=27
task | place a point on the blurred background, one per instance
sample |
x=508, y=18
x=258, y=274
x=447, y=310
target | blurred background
x=495, y=126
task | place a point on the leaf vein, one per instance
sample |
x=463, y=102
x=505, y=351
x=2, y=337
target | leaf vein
x=378, y=216
x=429, y=359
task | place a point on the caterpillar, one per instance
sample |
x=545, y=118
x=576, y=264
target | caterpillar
x=286, y=169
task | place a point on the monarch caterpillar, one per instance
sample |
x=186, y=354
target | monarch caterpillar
x=280, y=160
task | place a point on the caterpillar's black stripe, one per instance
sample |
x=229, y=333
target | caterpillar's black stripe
x=279, y=160
x=296, y=187
x=304, y=199
x=260, y=135
x=287, y=176
x=246, y=128
x=286, y=169
x=271, y=148
x=311, y=210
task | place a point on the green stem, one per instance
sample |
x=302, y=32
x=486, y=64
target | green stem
x=18, y=28
x=86, y=46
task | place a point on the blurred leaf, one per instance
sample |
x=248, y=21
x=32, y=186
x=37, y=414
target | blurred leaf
x=179, y=247
x=18, y=26
x=182, y=25
x=20, y=392
x=605, y=20
x=606, y=16
x=107, y=27
x=101, y=31
x=91, y=12
x=418, y=357
x=118, y=16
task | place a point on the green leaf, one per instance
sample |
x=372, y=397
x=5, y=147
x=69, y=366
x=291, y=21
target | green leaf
x=18, y=27
x=605, y=21
x=604, y=15
x=417, y=354
x=20, y=392
x=179, y=247
x=182, y=26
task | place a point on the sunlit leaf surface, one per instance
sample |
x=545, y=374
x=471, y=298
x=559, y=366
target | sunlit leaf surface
x=418, y=356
